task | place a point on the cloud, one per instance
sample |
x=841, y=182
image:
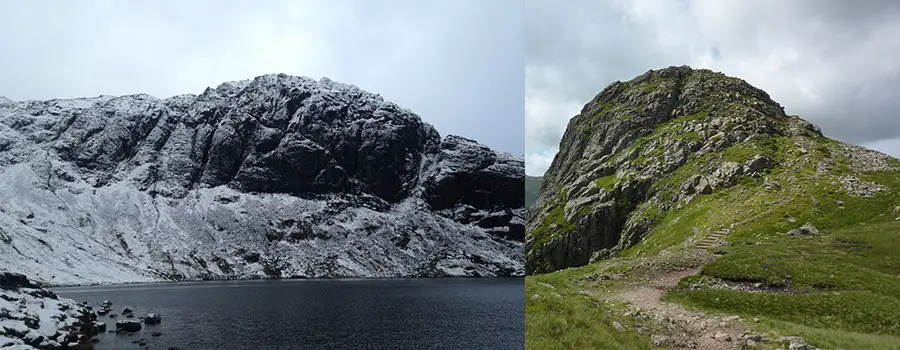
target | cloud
x=539, y=160
x=456, y=64
x=827, y=61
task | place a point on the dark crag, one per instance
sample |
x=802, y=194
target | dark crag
x=316, y=178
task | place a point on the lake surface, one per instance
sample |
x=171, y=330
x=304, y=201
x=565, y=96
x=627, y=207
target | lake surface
x=486, y=313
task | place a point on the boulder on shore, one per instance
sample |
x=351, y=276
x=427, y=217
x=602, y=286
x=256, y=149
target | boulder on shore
x=128, y=326
x=152, y=319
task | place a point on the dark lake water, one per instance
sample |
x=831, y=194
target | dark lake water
x=485, y=313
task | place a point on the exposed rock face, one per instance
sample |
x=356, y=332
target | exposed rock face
x=313, y=178
x=473, y=184
x=653, y=144
x=10, y=280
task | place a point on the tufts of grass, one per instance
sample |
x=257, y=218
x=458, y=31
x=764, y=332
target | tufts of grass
x=854, y=311
x=554, y=222
x=828, y=338
x=607, y=182
x=558, y=317
x=692, y=117
x=843, y=286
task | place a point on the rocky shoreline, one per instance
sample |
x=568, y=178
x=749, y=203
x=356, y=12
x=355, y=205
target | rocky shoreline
x=32, y=317
x=252, y=278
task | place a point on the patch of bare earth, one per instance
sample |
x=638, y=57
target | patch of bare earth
x=671, y=325
x=684, y=329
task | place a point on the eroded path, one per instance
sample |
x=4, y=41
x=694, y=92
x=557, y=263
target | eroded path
x=670, y=325
x=682, y=329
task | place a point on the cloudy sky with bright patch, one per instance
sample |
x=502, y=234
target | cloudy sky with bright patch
x=458, y=64
x=832, y=62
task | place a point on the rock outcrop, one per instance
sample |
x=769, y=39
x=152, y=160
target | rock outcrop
x=645, y=147
x=313, y=178
x=35, y=318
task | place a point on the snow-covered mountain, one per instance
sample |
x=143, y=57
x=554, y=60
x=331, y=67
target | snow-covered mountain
x=278, y=176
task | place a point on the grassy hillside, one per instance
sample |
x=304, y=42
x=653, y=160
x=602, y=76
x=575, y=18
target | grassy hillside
x=837, y=289
x=719, y=223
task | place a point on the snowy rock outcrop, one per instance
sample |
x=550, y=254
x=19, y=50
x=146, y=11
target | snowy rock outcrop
x=35, y=318
x=279, y=176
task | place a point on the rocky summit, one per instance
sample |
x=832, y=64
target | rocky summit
x=649, y=157
x=278, y=176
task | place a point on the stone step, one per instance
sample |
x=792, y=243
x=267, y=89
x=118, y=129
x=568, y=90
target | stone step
x=713, y=239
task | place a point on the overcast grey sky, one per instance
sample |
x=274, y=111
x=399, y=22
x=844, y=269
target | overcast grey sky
x=832, y=62
x=458, y=64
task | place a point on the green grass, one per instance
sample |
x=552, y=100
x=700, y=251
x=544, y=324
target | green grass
x=846, y=292
x=844, y=285
x=773, y=147
x=706, y=212
x=607, y=182
x=554, y=222
x=827, y=338
x=839, y=290
x=674, y=229
x=648, y=86
x=755, y=210
x=856, y=311
x=688, y=137
x=562, y=318
x=693, y=117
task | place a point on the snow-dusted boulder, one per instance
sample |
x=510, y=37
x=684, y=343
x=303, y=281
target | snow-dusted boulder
x=152, y=318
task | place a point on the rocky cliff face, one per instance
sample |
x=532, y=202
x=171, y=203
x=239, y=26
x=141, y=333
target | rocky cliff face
x=272, y=177
x=644, y=148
